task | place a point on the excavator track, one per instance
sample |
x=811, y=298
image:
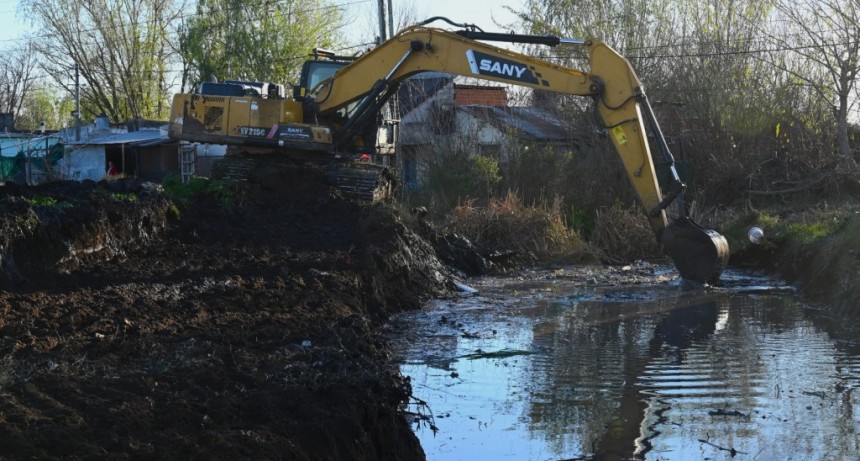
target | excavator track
x=360, y=181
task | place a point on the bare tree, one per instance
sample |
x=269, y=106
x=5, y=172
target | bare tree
x=17, y=77
x=121, y=49
x=405, y=14
x=824, y=37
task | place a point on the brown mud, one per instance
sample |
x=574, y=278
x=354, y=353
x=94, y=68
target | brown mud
x=243, y=325
x=246, y=323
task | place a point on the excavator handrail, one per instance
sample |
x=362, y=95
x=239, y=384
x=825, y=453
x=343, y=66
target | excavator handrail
x=464, y=25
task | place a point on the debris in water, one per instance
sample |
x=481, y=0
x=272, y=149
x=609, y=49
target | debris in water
x=735, y=413
x=500, y=354
x=756, y=235
x=466, y=289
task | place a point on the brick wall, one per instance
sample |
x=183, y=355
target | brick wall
x=467, y=95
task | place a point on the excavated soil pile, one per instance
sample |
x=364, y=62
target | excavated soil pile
x=240, y=325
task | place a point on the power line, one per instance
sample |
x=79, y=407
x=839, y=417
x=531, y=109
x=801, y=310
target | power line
x=120, y=25
x=713, y=53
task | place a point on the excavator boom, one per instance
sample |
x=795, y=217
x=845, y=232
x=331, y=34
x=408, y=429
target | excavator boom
x=699, y=254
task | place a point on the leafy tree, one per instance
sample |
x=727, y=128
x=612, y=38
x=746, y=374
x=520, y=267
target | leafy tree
x=486, y=170
x=121, y=49
x=632, y=27
x=262, y=40
x=715, y=72
x=43, y=104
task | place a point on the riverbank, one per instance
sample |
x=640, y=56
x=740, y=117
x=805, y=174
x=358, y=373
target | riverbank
x=242, y=324
x=244, y=321
x=818, y=249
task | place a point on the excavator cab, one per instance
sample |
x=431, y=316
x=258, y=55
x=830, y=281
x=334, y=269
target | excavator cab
x=321, y=67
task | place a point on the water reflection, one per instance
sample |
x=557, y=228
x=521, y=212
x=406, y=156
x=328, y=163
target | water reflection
x=650, y=372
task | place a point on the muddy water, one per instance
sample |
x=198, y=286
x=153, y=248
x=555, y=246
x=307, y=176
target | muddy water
x=559, y=365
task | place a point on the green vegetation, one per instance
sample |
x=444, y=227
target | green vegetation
x=789, y=227
x=809, y=232
x=224, y=191
x=255, y=39
x=128, y=197
x=174, y=186
x=41, y=200
x=582, y=222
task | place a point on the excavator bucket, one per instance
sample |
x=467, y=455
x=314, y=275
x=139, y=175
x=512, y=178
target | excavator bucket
x=699, y=254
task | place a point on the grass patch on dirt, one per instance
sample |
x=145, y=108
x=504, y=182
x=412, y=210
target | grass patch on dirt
x=818, y=248
x=225, y=194
x=829, y=268
x=787, y=227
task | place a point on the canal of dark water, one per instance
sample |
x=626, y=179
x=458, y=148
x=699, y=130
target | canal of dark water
x=561, y=366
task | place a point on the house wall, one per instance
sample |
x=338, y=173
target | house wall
x=474, y=132
x=85, y=162
x=156, y=162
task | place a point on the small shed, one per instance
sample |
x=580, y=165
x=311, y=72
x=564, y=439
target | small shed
x=27, y=157
x=146, y=153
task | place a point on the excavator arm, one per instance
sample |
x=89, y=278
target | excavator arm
x=699, y=254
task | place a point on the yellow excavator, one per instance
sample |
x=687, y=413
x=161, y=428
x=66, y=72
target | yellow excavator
x=335, y=115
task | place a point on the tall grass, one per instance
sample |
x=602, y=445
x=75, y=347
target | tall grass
x=508, y=224
x=623, y=234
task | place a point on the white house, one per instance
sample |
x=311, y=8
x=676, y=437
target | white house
x=476, y=120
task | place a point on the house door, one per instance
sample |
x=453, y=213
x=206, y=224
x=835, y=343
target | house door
x=123, y=157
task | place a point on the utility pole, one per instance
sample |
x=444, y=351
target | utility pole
x=382, y=35
x=77, y=112
x=390, y=18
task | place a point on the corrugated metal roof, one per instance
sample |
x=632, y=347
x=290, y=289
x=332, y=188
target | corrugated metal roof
x=528, y=121
x=135, y=138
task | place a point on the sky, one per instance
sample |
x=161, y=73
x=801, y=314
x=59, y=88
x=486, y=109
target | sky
x=482, y=13
x=13, y=23
x=479, y=12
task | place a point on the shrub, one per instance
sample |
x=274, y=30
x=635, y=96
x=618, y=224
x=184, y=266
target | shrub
x=624, y=234
x=508, y=224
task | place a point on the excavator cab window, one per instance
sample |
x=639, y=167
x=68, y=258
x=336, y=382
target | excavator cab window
x=314, y=72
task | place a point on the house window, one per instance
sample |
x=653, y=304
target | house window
x=410, y=167
x=489, y=150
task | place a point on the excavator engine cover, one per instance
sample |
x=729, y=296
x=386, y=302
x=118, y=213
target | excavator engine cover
x=699, y=254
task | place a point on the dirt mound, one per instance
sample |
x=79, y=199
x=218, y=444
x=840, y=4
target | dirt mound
x=243, y=324
x=57, y=227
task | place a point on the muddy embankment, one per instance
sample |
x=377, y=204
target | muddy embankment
x=826, y=268
x=243, y=324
